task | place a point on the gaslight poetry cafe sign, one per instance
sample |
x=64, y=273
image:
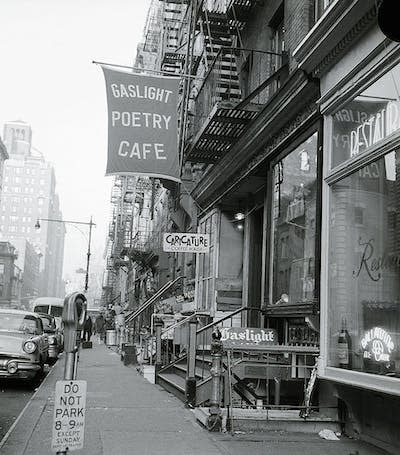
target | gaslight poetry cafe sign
x=142, y=124
x=377, y=345
x=237, y=337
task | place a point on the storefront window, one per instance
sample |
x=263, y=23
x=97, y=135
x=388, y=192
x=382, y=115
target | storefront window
x=293, y=229
x=368, y=119
x=364, y=269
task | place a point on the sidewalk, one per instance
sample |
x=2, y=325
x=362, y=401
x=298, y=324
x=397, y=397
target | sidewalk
x=125, y=414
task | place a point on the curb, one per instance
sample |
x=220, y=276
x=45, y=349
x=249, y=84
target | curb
x=21, y=414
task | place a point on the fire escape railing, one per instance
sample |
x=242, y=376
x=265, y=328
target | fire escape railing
x=236, y=74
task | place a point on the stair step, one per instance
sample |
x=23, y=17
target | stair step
x=226, y=77
x=199, y=371
x=213, y=50
x=219, y=42
x=175, y=380
x=207, y=358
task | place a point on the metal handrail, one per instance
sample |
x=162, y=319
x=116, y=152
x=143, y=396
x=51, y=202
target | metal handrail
x=177, y=324
x=274, y=76
x=223, y=49
x=234, y=313
x=152, y=299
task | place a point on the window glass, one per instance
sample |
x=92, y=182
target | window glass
x=205, y=281
x=42, y=309
x=320, y=7
x=369, y=118
x=18, y=322
x=364, y=269
x=48, y=324
x=56, y=311
x=293, y=229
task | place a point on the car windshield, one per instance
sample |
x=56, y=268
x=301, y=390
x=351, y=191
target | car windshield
x=18, y=322
x=42, y=309
x=56, y=311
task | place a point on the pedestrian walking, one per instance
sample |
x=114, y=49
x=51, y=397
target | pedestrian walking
x=99, y=326
x=87, y=329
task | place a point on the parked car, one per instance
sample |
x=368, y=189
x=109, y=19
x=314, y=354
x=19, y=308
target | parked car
x=54, y=336
x=50, y=305
x=24, y=346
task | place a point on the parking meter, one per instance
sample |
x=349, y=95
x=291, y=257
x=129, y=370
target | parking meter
x=73, y=316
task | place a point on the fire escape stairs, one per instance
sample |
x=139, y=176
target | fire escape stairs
x=238, y=12
x=217, y=37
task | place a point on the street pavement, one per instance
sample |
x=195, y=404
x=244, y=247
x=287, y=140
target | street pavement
x=126, y=414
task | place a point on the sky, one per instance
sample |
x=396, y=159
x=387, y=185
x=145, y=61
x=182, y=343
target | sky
x=47, y=79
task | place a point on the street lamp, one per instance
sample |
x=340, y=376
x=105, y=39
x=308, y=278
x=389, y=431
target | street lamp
x=90, y=224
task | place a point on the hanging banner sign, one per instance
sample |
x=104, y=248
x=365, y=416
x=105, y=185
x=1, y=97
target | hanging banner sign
x=69, y=416
x=236, y=337
x=142, y=125
x=179, y=242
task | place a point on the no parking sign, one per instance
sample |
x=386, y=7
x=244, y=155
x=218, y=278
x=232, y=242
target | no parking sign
x=69, y=416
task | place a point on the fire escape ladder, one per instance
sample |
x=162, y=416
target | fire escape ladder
x=220, y=54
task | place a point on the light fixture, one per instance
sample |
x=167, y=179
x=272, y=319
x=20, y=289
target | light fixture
x=240, y=226
x=37, y=225
x=239, y=216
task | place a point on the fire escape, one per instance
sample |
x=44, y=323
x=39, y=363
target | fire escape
x=172, y=56
x=232, y=93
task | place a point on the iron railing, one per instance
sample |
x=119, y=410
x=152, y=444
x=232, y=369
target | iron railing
x=279, y=362
x=234, y=74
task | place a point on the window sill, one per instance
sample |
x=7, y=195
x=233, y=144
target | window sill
x=384, y=384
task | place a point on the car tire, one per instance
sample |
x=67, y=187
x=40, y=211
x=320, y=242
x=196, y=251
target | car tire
x=38, y=376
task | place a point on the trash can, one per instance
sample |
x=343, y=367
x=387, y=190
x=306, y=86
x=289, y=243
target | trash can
x=111, y=337
x=129, y=354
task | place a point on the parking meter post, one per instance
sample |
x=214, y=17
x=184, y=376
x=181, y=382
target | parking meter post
x=73, y=316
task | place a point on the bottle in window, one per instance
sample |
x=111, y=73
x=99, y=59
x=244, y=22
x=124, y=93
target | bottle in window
x=344, y=346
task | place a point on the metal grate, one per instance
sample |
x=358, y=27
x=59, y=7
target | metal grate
x=224, y=127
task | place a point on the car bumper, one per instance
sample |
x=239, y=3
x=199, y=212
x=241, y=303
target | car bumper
x=54, y=351
x=24, y=369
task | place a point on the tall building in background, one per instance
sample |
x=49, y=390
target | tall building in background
x=3, y=157
x=29, y=193
x=10, y=276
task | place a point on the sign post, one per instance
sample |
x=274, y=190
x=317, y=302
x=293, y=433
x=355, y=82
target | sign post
x=70, y=396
